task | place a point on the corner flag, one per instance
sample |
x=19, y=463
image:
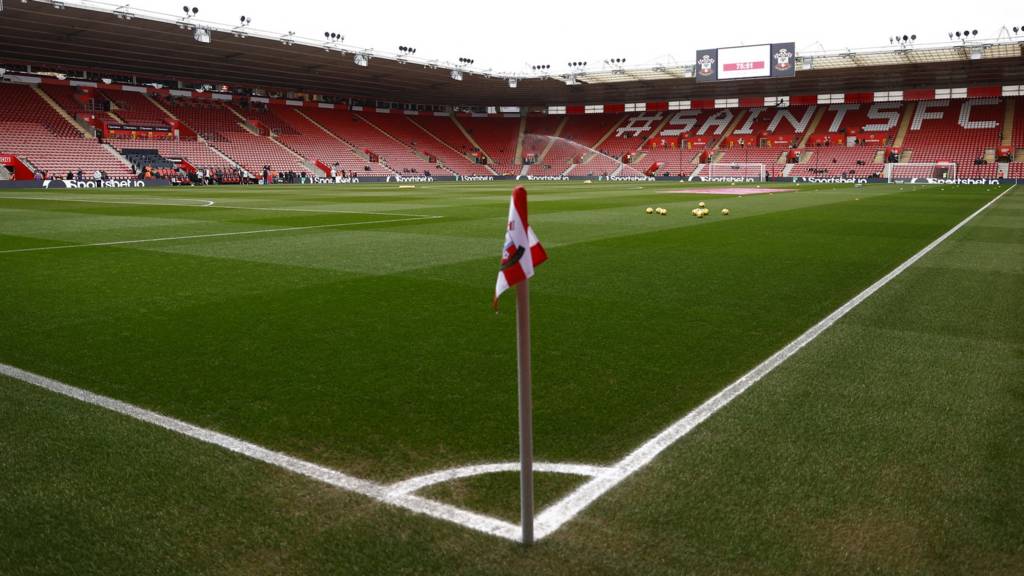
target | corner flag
x=521, y=253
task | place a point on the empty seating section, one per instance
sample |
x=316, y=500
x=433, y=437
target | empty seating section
x=1018, y=123
x=313, y=143
x=537, y=134
x=966, y=132
x=77, y=103
x=270, y=117
x=674, y=161
x=32, y=130
x=403, y=129
x=363, y=128
x=628, y=135
x=880, y=120
x=345, y=126
x=223, y=129
x=196, y=153
x=135, y=108
x=575, y=144
x=832, y=161
x=498, y=137
x=938, y=134
x=22, y=104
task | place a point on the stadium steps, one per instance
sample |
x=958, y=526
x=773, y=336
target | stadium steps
x=880, y=157
x=1019, y=156
x=551, y=141
x=905, y=121
x=519, y=140
x=788, y=169
x=1009, y=116
x=63, y=113
x=813, y=127
x=449, y=146
x=906, y=156
x=696, y=171
x=467, y=135
x=990, y=155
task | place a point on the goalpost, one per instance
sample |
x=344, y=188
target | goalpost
x=911, y=170
x=737, y=170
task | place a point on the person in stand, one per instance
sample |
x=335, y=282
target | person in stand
x=97, y=176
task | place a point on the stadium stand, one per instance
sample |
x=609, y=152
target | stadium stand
x=960, y=131
x=832, y=140
x=402, y=128
x=393, y=156
x=497, y=136
x=317, y=144
x=32, y=130
x=135, y=108
x=224, y=130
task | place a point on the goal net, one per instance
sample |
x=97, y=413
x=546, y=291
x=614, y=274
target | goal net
x=737, y=170
x=910, y=171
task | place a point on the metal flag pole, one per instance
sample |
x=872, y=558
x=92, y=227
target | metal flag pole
x=525, y=410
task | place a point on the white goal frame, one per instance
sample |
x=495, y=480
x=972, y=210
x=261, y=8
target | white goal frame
x=899, y=172
x=744, y=170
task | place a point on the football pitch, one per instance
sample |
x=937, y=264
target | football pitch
x=827, y=380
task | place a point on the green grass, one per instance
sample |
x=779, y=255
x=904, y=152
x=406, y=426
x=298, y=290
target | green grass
x=886, y=446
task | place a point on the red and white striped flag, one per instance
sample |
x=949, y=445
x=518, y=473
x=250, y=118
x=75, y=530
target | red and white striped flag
x=522, y=251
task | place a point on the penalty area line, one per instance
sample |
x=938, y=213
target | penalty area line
x=215, y=235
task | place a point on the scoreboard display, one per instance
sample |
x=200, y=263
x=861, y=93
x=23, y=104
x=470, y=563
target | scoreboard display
x=744, y=62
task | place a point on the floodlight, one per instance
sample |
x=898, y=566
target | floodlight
x=202, y=35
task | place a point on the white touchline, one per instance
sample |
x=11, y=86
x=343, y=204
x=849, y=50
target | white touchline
x=567, y=508
x=402, y=493
x=214, y=235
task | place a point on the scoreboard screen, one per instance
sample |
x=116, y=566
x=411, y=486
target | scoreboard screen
x=742, y=62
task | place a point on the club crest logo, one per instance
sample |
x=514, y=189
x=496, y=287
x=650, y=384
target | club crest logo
x=783, y=59
x=705, y=65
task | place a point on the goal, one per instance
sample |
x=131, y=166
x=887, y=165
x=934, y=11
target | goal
x=912, y=171
x=737, y=170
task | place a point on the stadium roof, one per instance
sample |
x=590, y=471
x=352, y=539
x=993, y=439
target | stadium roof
x=107, y=39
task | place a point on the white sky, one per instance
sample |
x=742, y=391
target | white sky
x=507, y=36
